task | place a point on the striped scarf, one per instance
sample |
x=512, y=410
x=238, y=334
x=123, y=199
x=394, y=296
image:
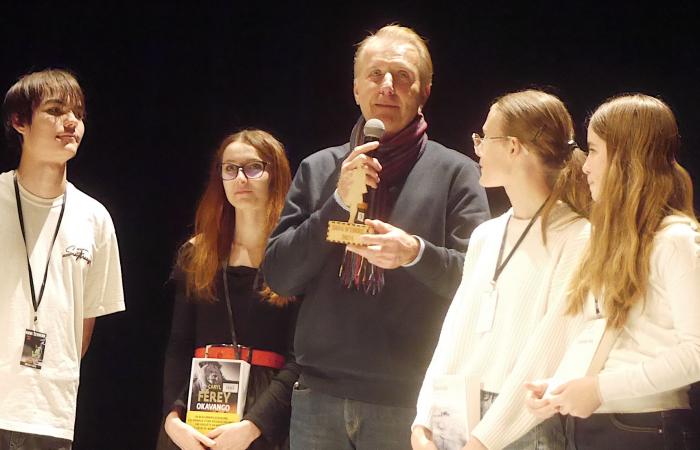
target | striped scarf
x=397, y=156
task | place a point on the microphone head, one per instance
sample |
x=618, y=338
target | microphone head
x=374, y=130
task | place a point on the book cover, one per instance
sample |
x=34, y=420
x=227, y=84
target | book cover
x=456, y=410
x=217, y=392
x=580, y=354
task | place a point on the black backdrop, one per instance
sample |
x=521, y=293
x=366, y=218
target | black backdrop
x=166, y=82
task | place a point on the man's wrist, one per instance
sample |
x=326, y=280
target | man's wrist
x=340, y=201
x=419, y=254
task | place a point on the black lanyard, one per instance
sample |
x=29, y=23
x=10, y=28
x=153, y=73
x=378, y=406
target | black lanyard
x=36, y=302
x=500, y=266
x=228, y=305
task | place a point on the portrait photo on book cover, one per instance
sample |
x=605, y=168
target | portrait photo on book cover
x=449, y=430
x=215, y=383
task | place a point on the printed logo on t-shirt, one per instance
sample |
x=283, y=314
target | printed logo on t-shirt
x=78, y=253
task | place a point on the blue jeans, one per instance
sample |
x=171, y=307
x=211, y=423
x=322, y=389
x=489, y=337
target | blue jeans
x=323, y=422
x=549, y=435
x=663, y=430
x=14, y=440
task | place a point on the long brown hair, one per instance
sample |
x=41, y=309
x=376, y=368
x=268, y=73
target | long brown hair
x=643, y=184
x=215, y=219
x=542, y=122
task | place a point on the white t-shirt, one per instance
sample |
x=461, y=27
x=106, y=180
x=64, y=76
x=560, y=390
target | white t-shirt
x=84, y=281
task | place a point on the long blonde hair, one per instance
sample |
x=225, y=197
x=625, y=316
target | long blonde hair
x=542, y=122
x=643, y=184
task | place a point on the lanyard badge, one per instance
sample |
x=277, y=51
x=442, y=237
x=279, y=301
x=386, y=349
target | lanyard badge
x=33, y=349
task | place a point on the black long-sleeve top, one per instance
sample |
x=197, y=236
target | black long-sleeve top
x=258, y=325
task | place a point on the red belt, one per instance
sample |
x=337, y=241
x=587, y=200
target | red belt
x=253, y=356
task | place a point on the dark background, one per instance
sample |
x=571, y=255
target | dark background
x=165, y=82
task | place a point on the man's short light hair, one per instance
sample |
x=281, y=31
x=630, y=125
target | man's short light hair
x=399, y=33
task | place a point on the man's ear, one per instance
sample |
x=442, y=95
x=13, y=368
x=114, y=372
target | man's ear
x=426, y=92
x=18, y=125
x=355, y=92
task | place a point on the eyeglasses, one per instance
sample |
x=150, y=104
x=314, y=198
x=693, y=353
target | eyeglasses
x=251, y=170
x=478, y=140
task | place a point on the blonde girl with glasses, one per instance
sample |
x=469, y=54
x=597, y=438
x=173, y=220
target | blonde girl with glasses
x=516, y=271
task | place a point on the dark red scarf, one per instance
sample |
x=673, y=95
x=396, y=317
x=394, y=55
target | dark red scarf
x=397, y=155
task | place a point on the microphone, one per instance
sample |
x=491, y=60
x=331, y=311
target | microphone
x=374, y=130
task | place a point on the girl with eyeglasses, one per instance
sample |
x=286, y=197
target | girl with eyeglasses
x=640, y=273
x=222, y=299
x=516, y=271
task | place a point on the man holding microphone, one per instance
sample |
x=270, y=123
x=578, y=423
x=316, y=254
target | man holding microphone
x=371, y=315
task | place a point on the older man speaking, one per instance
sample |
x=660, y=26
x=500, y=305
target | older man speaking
x=371, y=315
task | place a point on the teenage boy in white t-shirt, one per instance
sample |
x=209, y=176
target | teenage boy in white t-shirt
x=60, y=265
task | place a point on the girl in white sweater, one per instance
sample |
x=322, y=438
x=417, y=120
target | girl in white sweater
x=640, y=272
x=516, y=270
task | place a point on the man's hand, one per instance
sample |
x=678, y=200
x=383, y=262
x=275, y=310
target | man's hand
x=535, y=401
x=421, y=439
x=579, y=397
x=358, y=158
x=184, y=436
x=235, y=436
x=389, y=248
x=88, y=327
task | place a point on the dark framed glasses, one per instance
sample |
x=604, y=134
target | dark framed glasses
x=251, y=170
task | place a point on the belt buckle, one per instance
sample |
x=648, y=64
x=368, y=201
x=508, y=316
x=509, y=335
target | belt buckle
x=239, y=353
